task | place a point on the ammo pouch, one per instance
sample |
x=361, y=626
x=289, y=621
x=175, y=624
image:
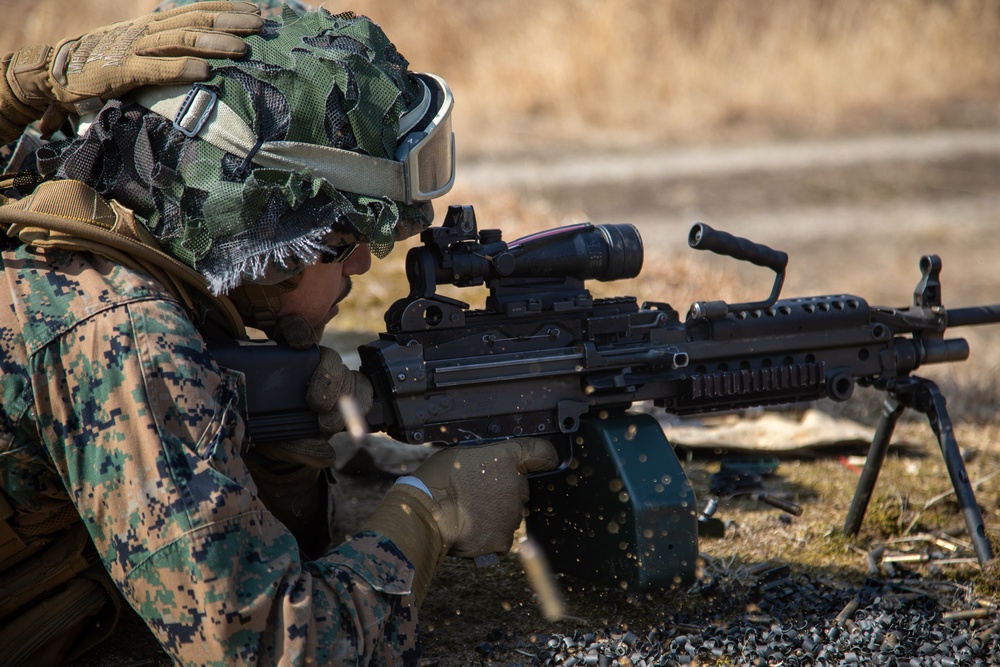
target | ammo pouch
x=56, y=600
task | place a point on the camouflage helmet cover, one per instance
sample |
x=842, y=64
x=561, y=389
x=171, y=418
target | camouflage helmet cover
x=314, y=78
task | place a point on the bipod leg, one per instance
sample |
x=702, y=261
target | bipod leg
x=927, y=398
x=891, y=411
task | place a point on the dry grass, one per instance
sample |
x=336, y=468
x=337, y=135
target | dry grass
x=622, y=72
x=703, y=71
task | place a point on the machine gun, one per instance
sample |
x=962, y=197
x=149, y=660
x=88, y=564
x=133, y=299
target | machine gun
x=545, y=358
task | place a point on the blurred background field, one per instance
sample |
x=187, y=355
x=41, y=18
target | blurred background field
x=621, y=73
x=550, y=90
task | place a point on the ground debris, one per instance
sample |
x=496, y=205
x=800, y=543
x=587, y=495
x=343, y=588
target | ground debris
x=931, y=550
x=803, y=622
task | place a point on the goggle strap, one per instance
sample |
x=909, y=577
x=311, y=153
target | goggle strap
x=223, y=128
x=409, y=119
x=344, y=170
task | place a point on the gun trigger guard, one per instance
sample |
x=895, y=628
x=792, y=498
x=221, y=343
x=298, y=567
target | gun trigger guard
x=559, y=469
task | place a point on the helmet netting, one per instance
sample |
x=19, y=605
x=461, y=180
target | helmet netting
x=315, y=78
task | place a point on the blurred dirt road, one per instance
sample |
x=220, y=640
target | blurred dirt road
x=853, y=214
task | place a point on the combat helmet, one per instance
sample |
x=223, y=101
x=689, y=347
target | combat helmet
x=319, y=138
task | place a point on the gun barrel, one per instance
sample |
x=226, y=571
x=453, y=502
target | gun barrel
x=945, y=351
x=963, y=317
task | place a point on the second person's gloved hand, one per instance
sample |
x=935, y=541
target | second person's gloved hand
x=79, y=74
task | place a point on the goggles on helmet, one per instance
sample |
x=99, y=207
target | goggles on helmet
x=423, y=168
x=427, y=147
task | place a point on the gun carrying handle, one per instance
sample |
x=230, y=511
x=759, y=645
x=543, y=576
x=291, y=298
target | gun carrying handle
x=703, y=237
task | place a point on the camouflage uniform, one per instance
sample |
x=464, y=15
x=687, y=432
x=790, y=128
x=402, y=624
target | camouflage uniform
x=108, y=392
x=110, y=403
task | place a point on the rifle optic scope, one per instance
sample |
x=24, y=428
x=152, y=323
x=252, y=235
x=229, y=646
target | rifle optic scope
x=582, y=251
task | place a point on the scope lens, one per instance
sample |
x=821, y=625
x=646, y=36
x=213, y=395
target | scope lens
x=624, y=251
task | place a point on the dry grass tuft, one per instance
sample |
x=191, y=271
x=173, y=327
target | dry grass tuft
x=620, y=72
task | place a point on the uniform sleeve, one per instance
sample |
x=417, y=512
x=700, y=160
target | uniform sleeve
x=145, y=433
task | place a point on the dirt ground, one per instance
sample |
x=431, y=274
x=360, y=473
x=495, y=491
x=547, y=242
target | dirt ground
x=858, y=226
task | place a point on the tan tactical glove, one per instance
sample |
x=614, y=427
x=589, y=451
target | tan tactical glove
x=330, y=381
x=156, y=49
x=477, y=504
x=293, y=477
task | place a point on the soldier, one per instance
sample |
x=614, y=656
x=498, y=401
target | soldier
x=184, y=214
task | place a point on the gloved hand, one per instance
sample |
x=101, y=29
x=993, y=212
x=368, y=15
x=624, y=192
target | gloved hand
x=330, y=381
x=292, y=476
x=480, y=492
x=476, y=504
x=156, y=49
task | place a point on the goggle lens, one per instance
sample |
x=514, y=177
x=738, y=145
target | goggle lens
x=428, y=155
x=435, y=160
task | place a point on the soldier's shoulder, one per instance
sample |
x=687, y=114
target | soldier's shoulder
x=55, y=290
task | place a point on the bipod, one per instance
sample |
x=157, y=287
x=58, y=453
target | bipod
x=924, y=396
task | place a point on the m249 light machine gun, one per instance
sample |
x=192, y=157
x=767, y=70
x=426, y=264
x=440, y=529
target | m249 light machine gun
x=545, y=358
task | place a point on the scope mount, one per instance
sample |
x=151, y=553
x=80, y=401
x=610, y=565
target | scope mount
x=536, y=273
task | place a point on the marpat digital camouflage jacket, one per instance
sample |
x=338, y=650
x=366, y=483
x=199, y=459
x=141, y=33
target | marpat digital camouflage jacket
x=111, y=402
